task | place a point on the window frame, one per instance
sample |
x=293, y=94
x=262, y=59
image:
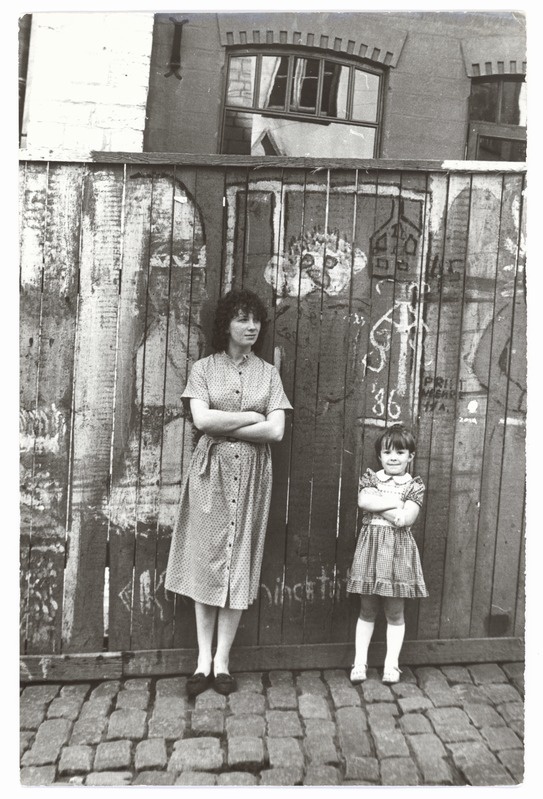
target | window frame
x=351, y=62
x=478, y=129
x=494, y=130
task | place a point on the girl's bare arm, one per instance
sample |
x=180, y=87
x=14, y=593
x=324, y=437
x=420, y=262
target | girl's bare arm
x=376, y=503
x=403, y=517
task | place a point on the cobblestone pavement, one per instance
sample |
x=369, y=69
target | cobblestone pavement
x=453, y=725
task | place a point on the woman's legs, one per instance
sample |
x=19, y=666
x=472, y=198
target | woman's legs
x=228, y=622
x=369, y=605
x=205, y=627
x=394, y=612
x=226, y=632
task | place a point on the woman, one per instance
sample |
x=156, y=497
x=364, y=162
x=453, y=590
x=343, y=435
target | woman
x=237, y=402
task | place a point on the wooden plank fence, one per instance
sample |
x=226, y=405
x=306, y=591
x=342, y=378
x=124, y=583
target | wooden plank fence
x=397, y=292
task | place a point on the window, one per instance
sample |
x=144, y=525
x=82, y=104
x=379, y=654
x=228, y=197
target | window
x=497, y=114
x=281, y=103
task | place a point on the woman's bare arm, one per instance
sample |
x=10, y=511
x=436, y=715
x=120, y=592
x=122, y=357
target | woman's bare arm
x=221, y=423
x=268, y=431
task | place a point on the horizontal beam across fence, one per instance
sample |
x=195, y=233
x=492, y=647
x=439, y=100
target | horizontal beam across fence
x=149, y=663
x=271, y=162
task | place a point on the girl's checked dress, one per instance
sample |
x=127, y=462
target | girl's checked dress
x=386, y=559
x=218, y=540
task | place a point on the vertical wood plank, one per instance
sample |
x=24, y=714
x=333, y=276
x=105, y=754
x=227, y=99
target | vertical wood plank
x=382, y=268
x=201, y=287
x=346, y=606
x=33, y=203
x=307, y=251
x=282, y=276
x=54, y=397
x=262, y=202
x=126, y=438
x=94, y=390
x=338, y=268
x=520, y=611
x=168, y=258
x=175, y=303
x=494, y=340
x=418, y=289
x=507, y=573
x=236, y=205
x=409, y=243
x=436, y=186
x=445, y=278
x=471, y=406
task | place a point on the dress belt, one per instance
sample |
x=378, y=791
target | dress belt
x=210, y=441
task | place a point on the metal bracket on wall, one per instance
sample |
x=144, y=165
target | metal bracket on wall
x=174, y=67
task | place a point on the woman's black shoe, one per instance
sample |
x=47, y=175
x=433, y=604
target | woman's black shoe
x=197, y=683
x=224, y=684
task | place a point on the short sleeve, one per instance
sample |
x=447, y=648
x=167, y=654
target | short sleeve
x=415, y=491
x=196, y=387
x=277, y=399
x=368, y=480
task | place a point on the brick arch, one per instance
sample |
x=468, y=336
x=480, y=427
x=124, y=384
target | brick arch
x=331, y=32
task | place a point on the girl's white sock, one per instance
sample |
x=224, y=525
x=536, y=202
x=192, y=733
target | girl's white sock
x=364, y=632
x=395, y=635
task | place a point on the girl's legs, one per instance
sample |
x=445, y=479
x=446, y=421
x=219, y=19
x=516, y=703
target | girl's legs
x=226, y=632
x=394, y=612
x=205, y=626
x=369, y=605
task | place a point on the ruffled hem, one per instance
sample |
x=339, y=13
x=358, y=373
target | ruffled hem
x=388, y=588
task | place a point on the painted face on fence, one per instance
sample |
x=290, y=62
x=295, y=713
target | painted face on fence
x=317, y=261
x=395, y=461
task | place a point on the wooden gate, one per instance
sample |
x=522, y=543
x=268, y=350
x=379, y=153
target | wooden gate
x=397, y=292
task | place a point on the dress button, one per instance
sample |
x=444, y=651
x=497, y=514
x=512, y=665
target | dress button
x=237, y=456
x=233, y=500
x=237, y=391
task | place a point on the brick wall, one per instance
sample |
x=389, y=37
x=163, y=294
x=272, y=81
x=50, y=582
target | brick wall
x=425, y=103
x=88, y=80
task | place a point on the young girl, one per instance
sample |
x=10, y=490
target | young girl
x=386, y=561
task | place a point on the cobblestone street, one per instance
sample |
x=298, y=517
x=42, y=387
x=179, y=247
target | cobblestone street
x=453, y=725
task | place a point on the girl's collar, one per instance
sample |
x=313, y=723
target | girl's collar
x=400, y=479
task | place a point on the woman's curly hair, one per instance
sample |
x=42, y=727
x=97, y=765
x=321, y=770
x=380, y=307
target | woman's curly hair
x=228, y=308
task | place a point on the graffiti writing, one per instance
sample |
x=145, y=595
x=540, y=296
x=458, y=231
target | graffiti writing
x=42, y=430
x=407, y=325
x=324, y=587
x=438, y=393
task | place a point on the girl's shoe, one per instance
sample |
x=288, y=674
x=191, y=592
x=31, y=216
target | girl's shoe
x=358, y=674
x=391, y=675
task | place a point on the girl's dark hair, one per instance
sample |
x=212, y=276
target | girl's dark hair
x=228, y=308
x=395, y=437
